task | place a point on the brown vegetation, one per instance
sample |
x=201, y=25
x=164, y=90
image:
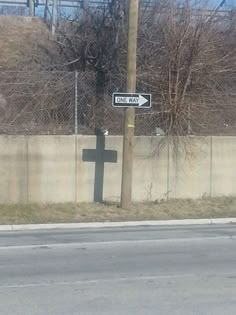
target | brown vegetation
x=25, y=44
x=186, y=60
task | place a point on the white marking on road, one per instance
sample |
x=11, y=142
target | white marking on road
x=117, y=243
x=95, y=281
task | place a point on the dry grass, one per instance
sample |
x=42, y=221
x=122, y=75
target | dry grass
x=24, y=42
x=92, y=212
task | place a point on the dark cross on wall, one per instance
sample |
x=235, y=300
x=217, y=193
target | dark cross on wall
x=100, y=156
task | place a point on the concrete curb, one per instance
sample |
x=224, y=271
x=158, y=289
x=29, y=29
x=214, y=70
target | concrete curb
x=25, y=227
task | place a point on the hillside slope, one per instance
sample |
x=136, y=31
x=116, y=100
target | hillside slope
x=25, y=43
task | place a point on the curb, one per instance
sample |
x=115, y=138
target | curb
x=30, y=227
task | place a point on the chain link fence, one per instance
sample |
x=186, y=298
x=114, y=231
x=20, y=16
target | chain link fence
x=36, y=102
x=51, y=102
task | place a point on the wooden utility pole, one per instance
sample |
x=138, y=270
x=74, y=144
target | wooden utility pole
x=76, y=102
x=31, y=8
x=54, y=15
x=127, y=167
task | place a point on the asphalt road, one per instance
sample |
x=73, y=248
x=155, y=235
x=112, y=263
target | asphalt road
x=147, y=270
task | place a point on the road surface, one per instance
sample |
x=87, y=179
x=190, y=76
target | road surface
x=147, y=270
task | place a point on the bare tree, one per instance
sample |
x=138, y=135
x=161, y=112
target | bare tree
x=185, y=58
x=94, y=42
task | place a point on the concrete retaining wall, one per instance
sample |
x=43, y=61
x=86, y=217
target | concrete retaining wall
x=63, y=168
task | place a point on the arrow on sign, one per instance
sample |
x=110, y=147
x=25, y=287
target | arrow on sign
x=142, y=100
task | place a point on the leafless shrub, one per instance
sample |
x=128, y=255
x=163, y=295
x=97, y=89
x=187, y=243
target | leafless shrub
x=186, y=59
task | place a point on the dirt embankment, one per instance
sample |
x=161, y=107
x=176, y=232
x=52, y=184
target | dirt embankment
x=25, y=43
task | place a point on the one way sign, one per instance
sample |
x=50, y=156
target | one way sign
x=131, y=100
